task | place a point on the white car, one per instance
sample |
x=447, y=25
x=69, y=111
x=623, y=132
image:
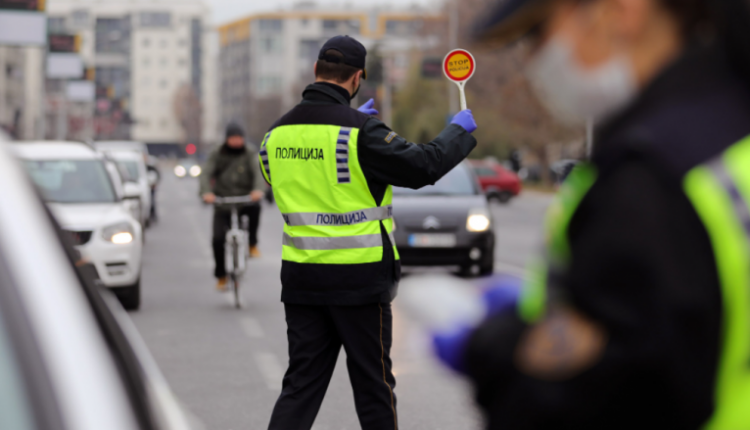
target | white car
x=70, y=358
x=122, y=145
x=135, y=172
x=81, y=189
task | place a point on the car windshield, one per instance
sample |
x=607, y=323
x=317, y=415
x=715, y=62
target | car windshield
x=132, y=168
x=485, y=171
x=72, y=181
x=457, y=182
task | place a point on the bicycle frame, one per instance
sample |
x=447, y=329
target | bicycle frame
x=237, y=243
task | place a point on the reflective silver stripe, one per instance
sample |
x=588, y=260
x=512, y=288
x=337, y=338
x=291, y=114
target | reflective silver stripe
x=741, y=208
x=343, y=175
x=342, y=165
x=342, y=146
x=264, y=156
x=331, y=243
x=349, y=218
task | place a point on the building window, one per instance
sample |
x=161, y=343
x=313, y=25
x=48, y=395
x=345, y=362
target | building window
x=155, y=19
x=269, y=84
x=113, y=35
x=274, y=25
x=182, y=62
x=271, y=45
x=182, y=43
x=342, y=26
x=79, y=19
x=308, y=51
x=402, y=27
x=56, y=25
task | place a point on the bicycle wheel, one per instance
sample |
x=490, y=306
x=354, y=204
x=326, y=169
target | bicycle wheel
x=235, y=278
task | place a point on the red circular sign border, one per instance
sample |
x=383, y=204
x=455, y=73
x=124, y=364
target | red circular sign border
x=451, y=55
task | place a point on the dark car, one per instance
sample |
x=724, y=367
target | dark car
x=498, y=183
x=446, y=224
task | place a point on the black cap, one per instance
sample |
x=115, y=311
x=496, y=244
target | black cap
x=511, y=19
x=354, y=53
x=234, y=129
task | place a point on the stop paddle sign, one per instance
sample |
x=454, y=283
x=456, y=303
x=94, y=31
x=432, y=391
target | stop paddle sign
x=459, y=66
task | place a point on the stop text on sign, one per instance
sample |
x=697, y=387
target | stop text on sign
x=459, y=65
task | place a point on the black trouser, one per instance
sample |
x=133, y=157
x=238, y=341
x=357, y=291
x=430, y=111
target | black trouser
x=316, y=334
x=222, y=224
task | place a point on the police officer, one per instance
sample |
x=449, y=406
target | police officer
x=639, y=315
x=331, y=168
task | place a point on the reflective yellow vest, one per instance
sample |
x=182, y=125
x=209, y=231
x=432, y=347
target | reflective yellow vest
x=720, y=194
x=330, y=215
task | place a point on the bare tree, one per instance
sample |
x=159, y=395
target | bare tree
x=508, y=113
x=188, y=110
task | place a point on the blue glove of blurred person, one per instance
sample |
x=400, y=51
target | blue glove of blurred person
x=466, y=120
x=368, y=108
x=450, y=347
x=501, y=295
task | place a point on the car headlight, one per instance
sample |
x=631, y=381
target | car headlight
x=478, y=220
x=195, y=171
x=120, y=234
x=180, y=171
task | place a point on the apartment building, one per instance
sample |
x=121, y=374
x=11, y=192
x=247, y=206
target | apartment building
x=267, y=59
x=152, y=64
x=21, y=91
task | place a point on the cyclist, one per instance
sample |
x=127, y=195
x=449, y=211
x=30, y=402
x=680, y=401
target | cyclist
x=232, y=170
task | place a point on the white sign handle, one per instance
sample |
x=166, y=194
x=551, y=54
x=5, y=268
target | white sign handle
x=462, y=92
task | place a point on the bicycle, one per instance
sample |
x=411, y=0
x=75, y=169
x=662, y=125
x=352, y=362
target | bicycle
x=236, y=243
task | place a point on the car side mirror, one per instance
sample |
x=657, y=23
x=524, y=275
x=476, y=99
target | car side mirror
x=131, y=190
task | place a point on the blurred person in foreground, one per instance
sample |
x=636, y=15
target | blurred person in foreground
x=331, y=168
x=231, y=171
x=639, y=314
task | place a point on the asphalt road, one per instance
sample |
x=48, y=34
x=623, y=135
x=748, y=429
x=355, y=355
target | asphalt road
x=226, y=365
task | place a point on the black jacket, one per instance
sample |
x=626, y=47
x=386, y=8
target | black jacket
x=643, y=268
x=386, y=159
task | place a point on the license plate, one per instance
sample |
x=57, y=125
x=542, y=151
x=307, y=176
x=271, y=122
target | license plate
x=432, y=240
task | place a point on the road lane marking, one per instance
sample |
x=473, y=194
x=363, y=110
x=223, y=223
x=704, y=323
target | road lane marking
x=202, y=239
x=251, y=327
x=270, y=368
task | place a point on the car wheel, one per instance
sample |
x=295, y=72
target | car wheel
x=503, y=196
x=130, y=297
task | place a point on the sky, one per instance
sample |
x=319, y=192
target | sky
x=229, y=10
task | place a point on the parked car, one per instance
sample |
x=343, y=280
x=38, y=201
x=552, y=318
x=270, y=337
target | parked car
x=134, y=168
x=187, y=167
x=446, y=224
x=497, y=182
x=83, y=190
x=70, y=358
x=123, y=145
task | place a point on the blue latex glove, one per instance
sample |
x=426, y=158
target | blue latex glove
x=368, y=108
x=466, y=120
x=499, y=296
x=502, y=293
x=450, y=347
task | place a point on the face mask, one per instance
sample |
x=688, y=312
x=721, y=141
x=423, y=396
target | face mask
x=573, y=94
x=356, y=91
